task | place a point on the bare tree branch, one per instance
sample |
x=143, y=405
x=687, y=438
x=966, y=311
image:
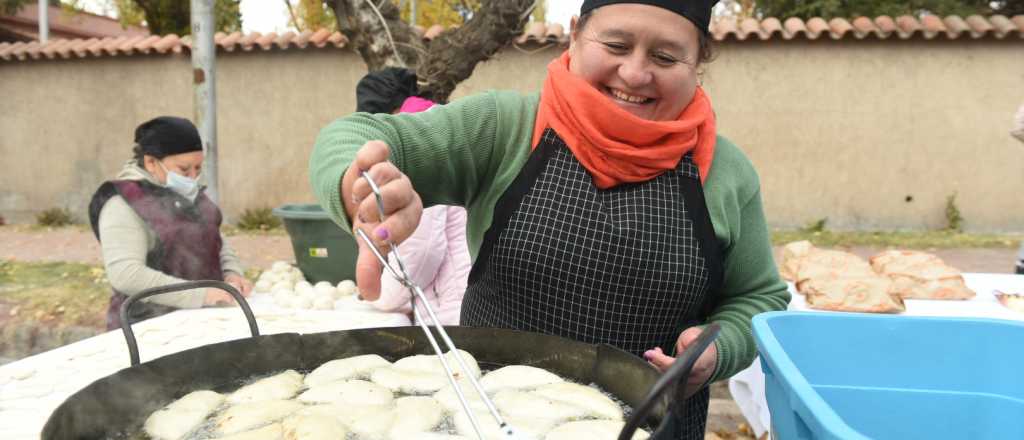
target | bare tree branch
x=291, y=13
x=453, y=55
x=383, y=39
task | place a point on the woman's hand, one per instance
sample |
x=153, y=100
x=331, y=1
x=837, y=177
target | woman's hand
x=217, y=297
x=402, y=210
x=702, y=369
x=240, y=283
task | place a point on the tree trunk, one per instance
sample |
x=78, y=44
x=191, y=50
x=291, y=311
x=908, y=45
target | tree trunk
x=376, y=40
x=445, y=61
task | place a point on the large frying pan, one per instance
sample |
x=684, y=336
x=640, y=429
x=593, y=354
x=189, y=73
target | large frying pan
x=116, y=406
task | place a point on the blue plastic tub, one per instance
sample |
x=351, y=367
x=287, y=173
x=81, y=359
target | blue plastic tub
x=857, y=376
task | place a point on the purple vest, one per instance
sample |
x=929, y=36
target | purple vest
x=188, y=241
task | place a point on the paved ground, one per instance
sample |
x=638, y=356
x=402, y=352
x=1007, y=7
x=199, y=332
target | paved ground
x=78, y=245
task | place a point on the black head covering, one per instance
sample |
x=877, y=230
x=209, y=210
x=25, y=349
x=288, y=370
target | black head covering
x=384, y=91
x=166, y=136
x=699, y=12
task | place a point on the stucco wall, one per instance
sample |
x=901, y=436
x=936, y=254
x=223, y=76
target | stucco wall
x=849, y=130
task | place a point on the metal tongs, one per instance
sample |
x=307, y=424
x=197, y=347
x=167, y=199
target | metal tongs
x=402, y=276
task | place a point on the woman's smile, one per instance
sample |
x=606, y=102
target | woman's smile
x=626, y=99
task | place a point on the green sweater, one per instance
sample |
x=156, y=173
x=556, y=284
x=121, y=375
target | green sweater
x=468, y=152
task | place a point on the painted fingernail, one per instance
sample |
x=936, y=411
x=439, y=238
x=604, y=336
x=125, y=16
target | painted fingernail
x=382, y=233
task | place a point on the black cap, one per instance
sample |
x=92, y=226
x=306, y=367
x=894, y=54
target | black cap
x=699, y=12
x=166, y=136
x=383, y=91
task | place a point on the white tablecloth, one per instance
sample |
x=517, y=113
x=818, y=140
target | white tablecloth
x=747, y=387
x=31, y=388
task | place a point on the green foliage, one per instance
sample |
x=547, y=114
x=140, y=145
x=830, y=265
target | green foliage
x=816, y=227
x=68, y=293
x=258, y=219
x=540, y=12
x=312, y=15
x=828, y=9
x=10, y=7
x=954, y=221
x=55, y=217
x=129, y=13
x=164, y=17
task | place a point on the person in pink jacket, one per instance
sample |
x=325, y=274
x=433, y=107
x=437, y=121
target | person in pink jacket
x=436, y=256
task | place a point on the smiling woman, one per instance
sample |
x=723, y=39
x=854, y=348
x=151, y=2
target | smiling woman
x=606, y=210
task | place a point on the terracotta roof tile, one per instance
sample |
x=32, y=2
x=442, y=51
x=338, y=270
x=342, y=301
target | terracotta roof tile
x=5, y=50
x=267, y=40
x=794, y=26
x=886, y=25
x=749, y=27
x=48, y=50
x=771, y=27
x=319, y=38
x=284, y=40
x=839, y=27
x=932, y=25
x=337, y=40
x=96, y=48
x=170, y=43
x=554, y=33
x=534, y=32
x=882, y=27
x=909, y=25
x=955, y=26
x=229, y=41
x=246, y=42
x=979, y=26
x=1002, y=25
x=79, y=47
x=1019, y=21
x=32, y=49
x=302, y=39
x=128, y=45
x=863, y=26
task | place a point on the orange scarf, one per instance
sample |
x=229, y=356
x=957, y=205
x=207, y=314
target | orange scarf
x=614, y=145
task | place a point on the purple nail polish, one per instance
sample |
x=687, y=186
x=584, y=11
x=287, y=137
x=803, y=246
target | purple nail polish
x=382, y=233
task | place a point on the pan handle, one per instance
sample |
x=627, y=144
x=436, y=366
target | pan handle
x=126, y=326
x=673, y=381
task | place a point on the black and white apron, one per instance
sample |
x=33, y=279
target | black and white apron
x=631, y=266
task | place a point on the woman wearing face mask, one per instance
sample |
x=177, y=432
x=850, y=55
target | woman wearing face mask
x=157, y=227
x=606, y=209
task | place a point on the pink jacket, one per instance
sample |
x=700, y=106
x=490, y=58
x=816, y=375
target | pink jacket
x=436, y=256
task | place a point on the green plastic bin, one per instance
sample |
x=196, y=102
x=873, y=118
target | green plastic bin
x=323, y=251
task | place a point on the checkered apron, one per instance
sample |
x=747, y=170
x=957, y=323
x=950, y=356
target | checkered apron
x=630, y=266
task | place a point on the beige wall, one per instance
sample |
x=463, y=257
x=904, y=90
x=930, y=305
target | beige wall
x=841, y=129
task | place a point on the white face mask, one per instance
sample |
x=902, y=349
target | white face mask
x=188, y=188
